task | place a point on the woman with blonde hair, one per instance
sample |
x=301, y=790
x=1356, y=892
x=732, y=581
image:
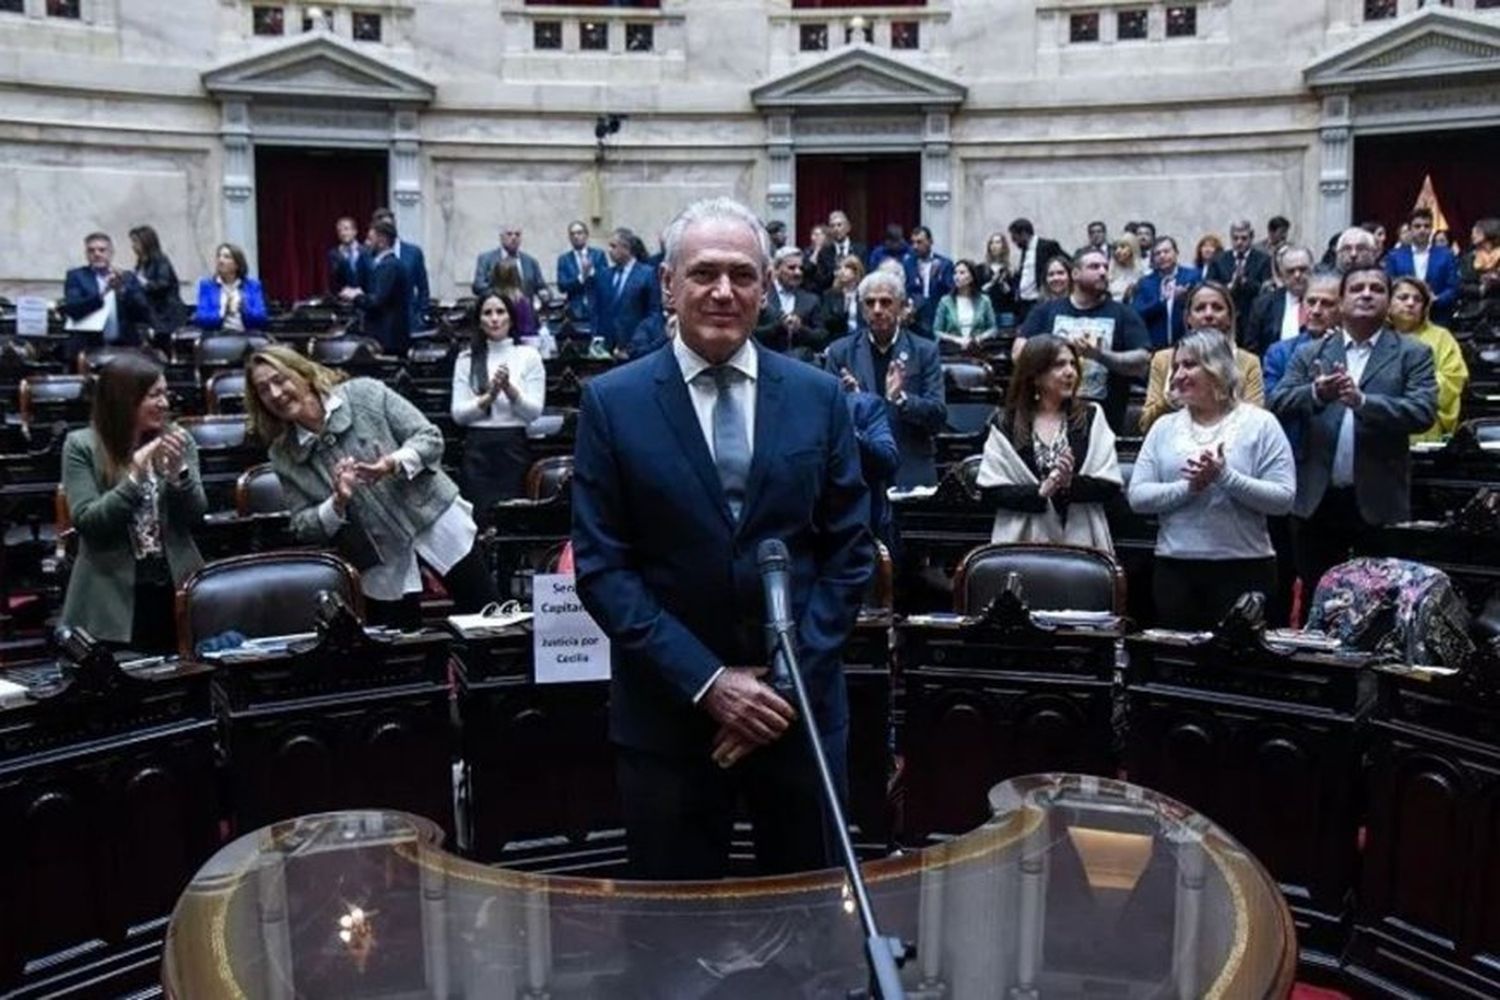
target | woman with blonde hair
x=1125, y=267
x=361, y=469
x=1208, y=308
x=1211, y=471
x=995, y=276
x=1411, y=316
x=841, y=312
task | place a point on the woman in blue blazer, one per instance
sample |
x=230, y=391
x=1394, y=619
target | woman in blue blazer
x=231, y=301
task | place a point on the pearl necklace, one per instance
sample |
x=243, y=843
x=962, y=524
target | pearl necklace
x=1212, y=434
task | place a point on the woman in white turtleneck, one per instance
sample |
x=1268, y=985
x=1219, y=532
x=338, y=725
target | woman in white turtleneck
x=499, y=386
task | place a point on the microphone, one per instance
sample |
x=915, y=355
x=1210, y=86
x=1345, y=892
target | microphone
x=775, y=577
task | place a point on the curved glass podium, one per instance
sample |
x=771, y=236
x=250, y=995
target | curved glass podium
x=1078, y=887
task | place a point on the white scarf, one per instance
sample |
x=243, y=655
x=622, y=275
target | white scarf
x=1086, y=525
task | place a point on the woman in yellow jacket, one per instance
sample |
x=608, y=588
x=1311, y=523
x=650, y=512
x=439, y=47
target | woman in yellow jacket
x=1410, y=312
x=1207, y=307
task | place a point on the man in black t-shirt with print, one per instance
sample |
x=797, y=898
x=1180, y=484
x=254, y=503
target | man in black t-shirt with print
x=1111, y=341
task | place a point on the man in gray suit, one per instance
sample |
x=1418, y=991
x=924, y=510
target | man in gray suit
x=510, y=247
x=1357, y=396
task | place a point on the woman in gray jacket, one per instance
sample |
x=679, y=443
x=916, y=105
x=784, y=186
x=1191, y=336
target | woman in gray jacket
x=362, y=471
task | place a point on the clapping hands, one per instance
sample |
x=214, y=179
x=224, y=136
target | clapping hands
x=1202, y=470
x=166, y=455
x=1060, y=478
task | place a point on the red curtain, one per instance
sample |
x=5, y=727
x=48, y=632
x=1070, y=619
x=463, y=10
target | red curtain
x=872, y=190
x=300, y=196
x=1388, y=173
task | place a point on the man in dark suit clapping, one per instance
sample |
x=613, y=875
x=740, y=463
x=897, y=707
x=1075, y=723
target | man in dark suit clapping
x=1243, y=269
x=103, y=304
x=624, y=293
x=576, y=267
x=840, y=244
x=1355, y=397
x=385, y=306
x=686, y=460
x=791, y=321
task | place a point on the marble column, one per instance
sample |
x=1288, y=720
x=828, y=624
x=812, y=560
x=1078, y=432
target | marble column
x=406, y=175
x=1336, y=170
x=781, y=184
x=239, y=180
x=937, y=170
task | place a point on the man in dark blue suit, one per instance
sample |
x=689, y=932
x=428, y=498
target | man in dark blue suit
x=414, y=263
x=384, y=305
x=346, y=260
x=929, y=277
x=1159, y=295
x=686, y=460
x=623, y=294
x=1242, y=268
x=576, y=268
x=902, y=369
x=100, y=285
x=1435, y=265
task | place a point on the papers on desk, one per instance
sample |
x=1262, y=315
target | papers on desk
x=940, y=619
x=31, y=316
x=490, y=621
x=1076, y=619
x=910, y=492
x=262, y=646
x=12, y=694
x=1175, y=636
x=1311, y=640
x=1421, y=447
x=1416, y=671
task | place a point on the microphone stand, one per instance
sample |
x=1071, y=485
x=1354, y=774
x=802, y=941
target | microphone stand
x=884, y=955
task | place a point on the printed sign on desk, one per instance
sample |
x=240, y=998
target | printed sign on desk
x=566, y=644
x=31, y=316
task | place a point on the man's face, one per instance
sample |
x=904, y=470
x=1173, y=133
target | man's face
x=1278, y=234
x=1295, y=268
x=619, y=251
x=347, y=231
x=921, y=243
x=1091, y=274
x=1241, y=239
x=510, y=239
x=717, y=284
x=1355, y=252
x=882, y=313
x=100, y=254
x=789, y=271
x=578, y=237
x=1097, y=235
x=1164, y=256
x=1421, y=232
x=778, y=237
x=1367, y=296
x=1322, y=303
x=1147, y=236
x=838, y=227
x=1020, y=239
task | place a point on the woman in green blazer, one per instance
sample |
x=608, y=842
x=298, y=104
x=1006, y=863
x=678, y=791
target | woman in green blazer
x=965, y=316
x=134, y=496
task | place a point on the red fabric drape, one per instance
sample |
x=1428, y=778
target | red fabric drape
x=1388, y=172
x=300, y=195
x=872, y=190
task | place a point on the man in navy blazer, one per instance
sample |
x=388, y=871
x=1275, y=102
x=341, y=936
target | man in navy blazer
x=1243, y=268
x=929, y=277
x=414, y=263
x=1354, y=398
x=86, y=291
x=624, y=292
x=1160, y=294
x=1435, y=265
x=902, y=369
x=384, y=305
x=686, y=460
x=346, y=259
x=576, y=267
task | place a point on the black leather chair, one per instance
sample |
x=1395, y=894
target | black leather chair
x=226, y=349
x=968, y=378
x=548, y=477
x=968, y=473
x=269, y=593
x=224, y=392
x=338, y=351
x=1053, y=578
x=90, y=362
x=216, y=431
x=55, y=397
x=258, y=491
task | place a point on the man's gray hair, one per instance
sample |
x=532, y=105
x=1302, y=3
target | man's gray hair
x=785, y=252
x=1242, y=225
x=1355, y=236
x=1291, y=249
x=707, y=209
x=878, y=280
x=1214, y=352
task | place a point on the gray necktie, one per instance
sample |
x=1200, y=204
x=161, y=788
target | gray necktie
x=731, y=442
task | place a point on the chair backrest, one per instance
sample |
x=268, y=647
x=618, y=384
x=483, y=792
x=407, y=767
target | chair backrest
x=258, y=491
x=219, y=430
x=90, y=362
x=68, y=391
x=967, y=377
x=1053, y=578
x=547, y=477
x=343, y=350
x=224, y=392
x=225, y=349
x=968, y=472
x=268, y=593
x=880, y=592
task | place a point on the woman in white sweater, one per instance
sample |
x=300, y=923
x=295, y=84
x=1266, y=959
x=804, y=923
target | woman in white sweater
x=1212, y=471
x=499, y=386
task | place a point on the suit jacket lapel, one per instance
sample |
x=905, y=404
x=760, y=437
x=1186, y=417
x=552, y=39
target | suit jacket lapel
x=1385, y=351
x=768, y=415
x=864, y=365
x=677, y=408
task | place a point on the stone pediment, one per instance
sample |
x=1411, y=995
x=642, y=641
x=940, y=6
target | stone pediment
x=1435, y=43
x=318, y=67
x=862, y=77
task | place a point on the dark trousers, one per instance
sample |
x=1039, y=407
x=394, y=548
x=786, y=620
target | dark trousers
x=494, y=468
x=1327, y=538
x=1194, y=594
x=470, y=584
x=153, y=616
x=679, y=811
